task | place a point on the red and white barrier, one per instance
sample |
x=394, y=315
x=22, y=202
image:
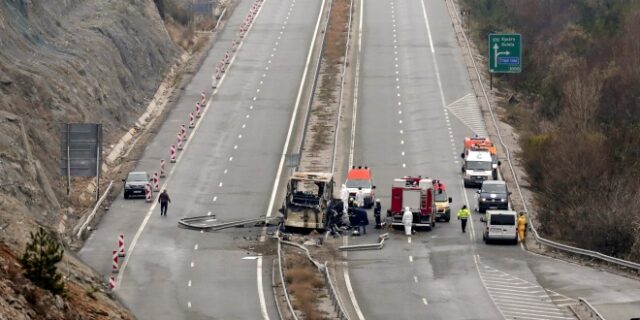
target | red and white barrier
x=191, y=121
x=234, y=45
x=203, y=98
x=156, y=182
x=112, y=283
x=179, y=141
x=114, y=266
x=147, y=192
x=198, y=110
x=227, y=57
x=162, y=174
x=172, y=155
x=183, y=132
x=121, y=245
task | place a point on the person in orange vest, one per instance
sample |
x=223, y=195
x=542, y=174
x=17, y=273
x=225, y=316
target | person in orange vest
x=522, y=226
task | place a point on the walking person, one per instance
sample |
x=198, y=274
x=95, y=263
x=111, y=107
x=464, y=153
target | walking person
x=407, y=221
x=376, y=213
x=344, y=196
x=164, y=202
x=522, y=226
x=363, y=220
x=463, y=216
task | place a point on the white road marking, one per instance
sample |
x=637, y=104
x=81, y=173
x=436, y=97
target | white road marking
x=402, y=153
x=401, y=141
x=410, y=258
x=189, y=284
x=225, y=171
x=192, y=264
x=196, y=246
x=215, y=198
x=404, y=165
x=189, y=304
x=244, y=125
x=433, y=51
x=263, y=304
x=408, y=238
x=230, y=159
x=220, y=184
x=239, y=136
x=251, y=107
x=254, y=98
x=247, y=116
x=424, y=300
x=347, y=279
x=415, y=279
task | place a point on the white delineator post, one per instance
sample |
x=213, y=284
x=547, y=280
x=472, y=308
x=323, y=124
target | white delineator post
x=198, y=110
x=121, y=245
x=172, y=154
x=179, y=141
x=191, y=120
x=203, y=99
x=112, y=282
x=114, y=267
x=183, y=132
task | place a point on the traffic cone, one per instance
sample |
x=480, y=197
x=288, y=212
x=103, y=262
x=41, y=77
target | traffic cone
x=179, y=141
x=227, y=57
x=112, y=283
x=191, y=122
x=183, y=132
x=162, y=175
x=172, y=155
x=156, y=180
x=114, y=266
x=198, y=110
x=121, y=245
x=147, y=191
x=203, y=98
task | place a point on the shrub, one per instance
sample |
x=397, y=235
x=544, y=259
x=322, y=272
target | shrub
x=39, y=261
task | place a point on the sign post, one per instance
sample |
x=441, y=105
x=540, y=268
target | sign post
x=505, y=54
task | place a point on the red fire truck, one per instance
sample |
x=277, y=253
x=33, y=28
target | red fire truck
x=417, y=194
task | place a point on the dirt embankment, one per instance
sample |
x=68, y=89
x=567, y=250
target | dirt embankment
x=66, y=61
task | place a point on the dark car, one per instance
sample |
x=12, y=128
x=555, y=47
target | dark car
x=134, y=184
x=493, y=194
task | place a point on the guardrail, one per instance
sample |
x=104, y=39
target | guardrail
x=93, y=212
x=589, y=309
x=284, y=285
x=333, y=293
x=208, y=222
x=367, y=246
x=537, y=237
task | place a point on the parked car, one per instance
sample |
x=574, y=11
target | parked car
x=500, y=225
x=493, y=194
x=134, y=184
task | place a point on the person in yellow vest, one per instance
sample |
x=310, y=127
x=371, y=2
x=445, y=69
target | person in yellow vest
x=522, y=226
x=463, y=215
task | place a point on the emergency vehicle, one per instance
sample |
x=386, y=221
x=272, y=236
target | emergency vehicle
x=482, y=144
x=361, y=178
x=443, y=211
x=308, y=196
x=417, y=193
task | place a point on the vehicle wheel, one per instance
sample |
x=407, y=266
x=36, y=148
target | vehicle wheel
x=484, y=237
x=466, y=185
x=515, y=241
x=434, y=223
x=447, y=219
x=126, y=196
x=429, y=228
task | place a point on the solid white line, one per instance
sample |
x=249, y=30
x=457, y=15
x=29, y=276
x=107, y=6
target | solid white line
x=424, y=300
x=215, y=198
x=409, y=238
x=196, y=246
x=294, y=114
x=263, y=304
x=192, y=264
x=347, y=281
x=189, y=284
x=433, y=56
x=410, y=258
x=189, y=304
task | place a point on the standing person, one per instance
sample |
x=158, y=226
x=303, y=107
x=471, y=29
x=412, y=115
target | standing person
x=164, y=202
x=363, y=220
x=522, y=226
x=344, y=196
x=360, y=198
x=407, y=220
x=376, y=213
x=463, y=216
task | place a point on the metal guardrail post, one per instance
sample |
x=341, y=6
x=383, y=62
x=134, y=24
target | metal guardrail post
x=540, y=240
x=593, y=313
x=284, y=285
x=93, y=212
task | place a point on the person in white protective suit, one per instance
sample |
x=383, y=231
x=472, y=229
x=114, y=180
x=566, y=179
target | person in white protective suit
x=344, y=196
x=407, y=220
x=360, y=198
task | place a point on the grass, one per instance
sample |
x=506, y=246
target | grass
x=303, y=283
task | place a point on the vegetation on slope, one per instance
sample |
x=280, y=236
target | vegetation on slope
x=579, y=118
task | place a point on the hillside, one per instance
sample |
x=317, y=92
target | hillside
x=66, y=61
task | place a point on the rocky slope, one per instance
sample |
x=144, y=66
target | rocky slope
x=65, y=61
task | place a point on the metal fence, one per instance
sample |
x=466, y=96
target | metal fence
x=540, y=240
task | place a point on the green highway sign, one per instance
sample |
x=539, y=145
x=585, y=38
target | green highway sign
x=505, y=53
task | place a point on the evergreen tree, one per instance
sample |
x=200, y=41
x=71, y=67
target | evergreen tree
x=39, y=261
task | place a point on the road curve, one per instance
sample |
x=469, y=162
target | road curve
x=226, y=169
x=415, y=107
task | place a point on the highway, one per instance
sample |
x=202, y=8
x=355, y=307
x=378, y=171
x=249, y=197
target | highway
x=415, y=106
x=227, y=169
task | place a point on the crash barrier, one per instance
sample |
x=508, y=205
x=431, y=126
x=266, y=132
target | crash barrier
x=121, y=245
x=147, y=192
x=540, y=240
x=367, y=246
x=203, y=98
x=183, y=132
x=172, y=154
x=284, y=285
x=198, y=110
x=179, y=141
x=337, y=304
x=584, y=307
x=83, y=227
x=209, y=222
x=156, y=182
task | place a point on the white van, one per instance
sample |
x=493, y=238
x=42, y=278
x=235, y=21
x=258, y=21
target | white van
x=477, y=167
x=500, y=225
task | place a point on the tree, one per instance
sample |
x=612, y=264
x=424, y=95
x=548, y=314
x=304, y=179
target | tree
x=39, y=261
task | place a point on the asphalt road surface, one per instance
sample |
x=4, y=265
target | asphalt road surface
x=226, y=169
x=415, y=107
